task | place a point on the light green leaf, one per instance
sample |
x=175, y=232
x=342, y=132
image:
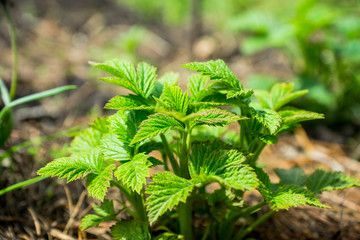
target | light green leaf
x=291, y=115
x=174, y=99
x=113, y=149
x=170, y=78
x=320, y=181
x=106, y=209
x=133, y=173
x=213, y=117
x=293, y=176
x=86, y=140
x=130, y=230
x=101, y=124
x=123, y=124
x=268, y=118
x=97, y=184
x=268, y=139
x=214, y=161
x=128, y=102
x=74, y=167
x=166, y=191
x=289, y=196
x=197, y=87
x=217, y=70
x=140, y=81
x=92, y=220
x=154, y=125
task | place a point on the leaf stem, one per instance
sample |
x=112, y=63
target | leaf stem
x=173, y=162
x=242, y=233
x=15, y=66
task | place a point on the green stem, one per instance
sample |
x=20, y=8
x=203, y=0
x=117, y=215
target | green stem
x=22, y=184
x=184, y=157
x=227, y=226
x=15, y=66
x=123, y=190
x=185, y=219
x=242, y=233
x=139, y=207
x=258, y=151
x=173, y=162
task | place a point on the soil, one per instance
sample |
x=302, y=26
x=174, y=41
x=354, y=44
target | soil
x=56, y=40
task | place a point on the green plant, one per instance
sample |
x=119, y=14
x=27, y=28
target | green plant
x=189, y=130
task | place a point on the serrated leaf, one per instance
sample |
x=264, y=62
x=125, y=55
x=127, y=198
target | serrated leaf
x=291, y=115
x=133, y=174
x=106, y=209
x=113, y=149
x=129, y=102
x=166, y=191
x=101, y=124
x=140, y=81
x=217, y=70
x=97, y=184
x=197, y=87
x=123, y=124
x=86, y=140
x=74, y=167
x=174, y=99
x=214, y=161
x=242, y=94
x=268, y=139
x=213, y=117
x=289, y=196
x=320, y=181
x=130, y=230
x=268, y=118
x=292, y=176
x=279, y=95
x=170, y=78
x=92, y=220
x=154, y=125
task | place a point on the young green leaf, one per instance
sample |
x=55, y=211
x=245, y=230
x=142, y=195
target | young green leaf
x=123, y=124
x=291, y=115
x=268, y=118
x=113, y=149
x=169, y=78
x=166, y=191
x=129, y=102
x=130, y=230
x=289, y=196
x=140, y=81
x=281, y=94
x=293, y=176
x=154, y=125
x=101, y=124
x=217, y=70
x=97, y=184
x=133, y=173
x=106, y=210
x=74, y=167
x=197, y=87
x=174, y=99
x=320, y=181
x=212, y=117
x=92, y=220
x=211, y=161
x=86, y=140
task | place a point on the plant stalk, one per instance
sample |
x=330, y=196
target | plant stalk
x=14, y=77
x=242, y=233
x=173, y=162
x=185, y=219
